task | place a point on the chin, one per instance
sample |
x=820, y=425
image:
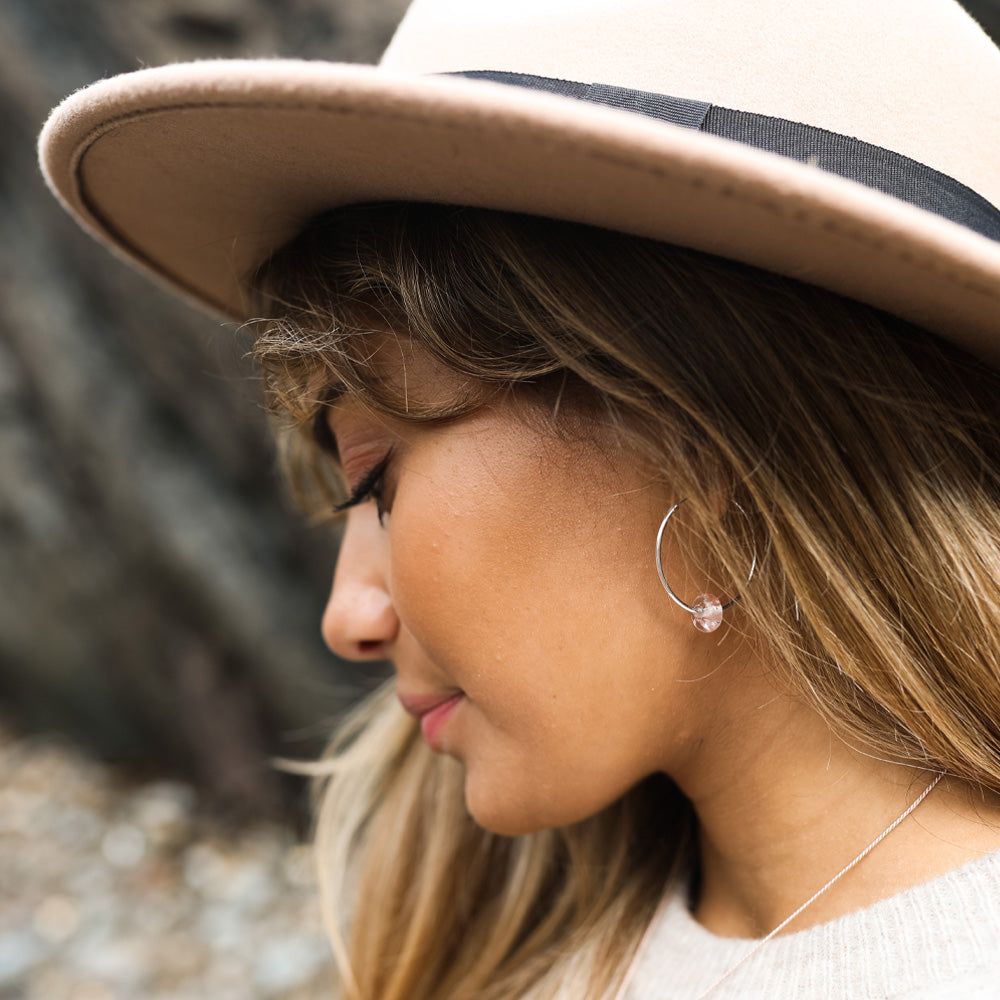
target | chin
x=510, y=815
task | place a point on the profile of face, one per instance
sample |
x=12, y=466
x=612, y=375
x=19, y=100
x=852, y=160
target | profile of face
x=506, y=570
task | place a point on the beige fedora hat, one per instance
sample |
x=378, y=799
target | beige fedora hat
x=854, y=144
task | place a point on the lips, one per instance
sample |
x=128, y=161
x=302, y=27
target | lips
x=433, y=711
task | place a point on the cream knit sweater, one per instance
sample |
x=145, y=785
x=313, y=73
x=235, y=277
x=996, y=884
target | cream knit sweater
x=938, y=941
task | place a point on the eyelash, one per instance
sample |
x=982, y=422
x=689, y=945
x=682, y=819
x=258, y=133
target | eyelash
x=370, y=487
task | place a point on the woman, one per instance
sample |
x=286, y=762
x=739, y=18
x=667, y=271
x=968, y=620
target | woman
x=553, y=434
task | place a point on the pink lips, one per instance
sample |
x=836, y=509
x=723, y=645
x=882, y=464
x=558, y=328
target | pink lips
x=433, y=712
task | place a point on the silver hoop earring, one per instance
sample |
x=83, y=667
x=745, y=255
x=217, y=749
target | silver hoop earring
x=706, y=612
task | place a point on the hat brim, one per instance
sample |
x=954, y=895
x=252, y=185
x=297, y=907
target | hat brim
x=199, y=172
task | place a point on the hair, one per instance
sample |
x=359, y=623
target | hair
x=863, y=453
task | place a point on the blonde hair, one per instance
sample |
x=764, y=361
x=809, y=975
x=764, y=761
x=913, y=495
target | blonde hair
x=864, y=452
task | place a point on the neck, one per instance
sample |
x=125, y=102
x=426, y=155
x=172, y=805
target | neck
x=789, y=806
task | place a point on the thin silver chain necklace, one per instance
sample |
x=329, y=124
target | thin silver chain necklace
x=623, y=988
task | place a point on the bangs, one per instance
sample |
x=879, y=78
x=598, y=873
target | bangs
x=360, y=295
x=361, y=277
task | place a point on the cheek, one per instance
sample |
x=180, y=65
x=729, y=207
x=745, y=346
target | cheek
x=527, y=569
x=448, y=599
x=451, y=549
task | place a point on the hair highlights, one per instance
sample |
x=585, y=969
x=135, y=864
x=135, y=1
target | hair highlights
x=863, y=451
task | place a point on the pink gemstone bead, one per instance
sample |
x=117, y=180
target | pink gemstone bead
x=707, y=614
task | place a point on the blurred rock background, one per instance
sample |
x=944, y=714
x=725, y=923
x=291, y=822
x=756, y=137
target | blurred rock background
x=160, y=599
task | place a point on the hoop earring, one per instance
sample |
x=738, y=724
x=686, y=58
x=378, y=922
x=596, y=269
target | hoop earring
x=706, y=612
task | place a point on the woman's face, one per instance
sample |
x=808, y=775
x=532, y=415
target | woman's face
x=511, y=583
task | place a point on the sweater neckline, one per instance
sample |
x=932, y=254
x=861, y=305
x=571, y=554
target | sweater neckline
x=930, y=933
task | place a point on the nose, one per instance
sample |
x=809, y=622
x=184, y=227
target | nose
x=360, y=621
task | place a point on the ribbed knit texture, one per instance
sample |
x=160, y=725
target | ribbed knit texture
x=937, y=941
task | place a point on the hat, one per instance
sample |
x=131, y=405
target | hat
x=853, y=144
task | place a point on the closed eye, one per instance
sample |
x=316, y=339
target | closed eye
x=371, y=486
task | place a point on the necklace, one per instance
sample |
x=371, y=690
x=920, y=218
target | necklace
x=620, y=995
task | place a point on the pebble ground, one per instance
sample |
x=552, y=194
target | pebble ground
x=119, y=892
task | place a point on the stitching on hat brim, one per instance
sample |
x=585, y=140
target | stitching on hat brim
x=798, y=216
